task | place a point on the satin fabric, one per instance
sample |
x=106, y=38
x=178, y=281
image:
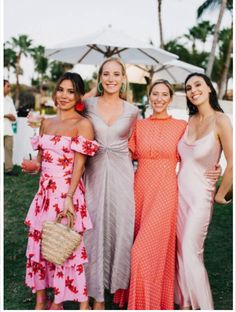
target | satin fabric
x=196, y=197
x=110, y=200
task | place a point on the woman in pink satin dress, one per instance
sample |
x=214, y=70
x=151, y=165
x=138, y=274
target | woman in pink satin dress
x=209, y=131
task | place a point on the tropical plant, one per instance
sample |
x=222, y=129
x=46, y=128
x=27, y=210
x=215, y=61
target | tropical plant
x=225, y=52
x=57, y=69
x=9, y=59
x=22, y=46
x=174, y=46
x=191, y=56
x=41, y=63
x=211, y=4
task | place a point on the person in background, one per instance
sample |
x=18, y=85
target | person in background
x=109, y=185
x=209, y=131
x=10, y=116
x=63, y=145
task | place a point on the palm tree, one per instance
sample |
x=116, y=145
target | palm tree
x=204, y=7
x=175, y=47
x=9, y=59
x=57, y=69
x=159, y=2
x=226, y=49
x=22, y=46
x=197, y=33
x=203, y=30
x=192, y=36
x=41, y=63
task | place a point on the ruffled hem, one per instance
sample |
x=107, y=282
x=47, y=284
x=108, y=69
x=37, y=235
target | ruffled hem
x=68, y=283
x=84, y=146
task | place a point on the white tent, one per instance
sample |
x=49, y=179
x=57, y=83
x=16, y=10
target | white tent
x=108, y=42
x=174, y=71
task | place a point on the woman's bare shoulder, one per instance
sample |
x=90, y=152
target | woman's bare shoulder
x=223, y=123
x=222, y=118
x=85, y=128
x=46, y=122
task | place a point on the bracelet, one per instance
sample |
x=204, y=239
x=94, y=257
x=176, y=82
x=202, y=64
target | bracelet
x=69, y=195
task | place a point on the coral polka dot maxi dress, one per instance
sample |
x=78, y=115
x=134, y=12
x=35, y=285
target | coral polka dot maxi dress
x=154, y=144
x=67, y=280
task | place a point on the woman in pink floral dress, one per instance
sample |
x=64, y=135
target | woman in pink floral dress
x=63, y=145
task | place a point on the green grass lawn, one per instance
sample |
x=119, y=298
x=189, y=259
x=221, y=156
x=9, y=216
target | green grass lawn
x=18, y=194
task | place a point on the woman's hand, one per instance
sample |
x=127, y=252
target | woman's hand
x=213, y=175
x=69, y=207
x=221, y=200
x=31, y=167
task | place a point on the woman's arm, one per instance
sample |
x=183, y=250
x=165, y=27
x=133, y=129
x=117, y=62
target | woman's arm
x=85, y=129
x=225, y=133
x=34, y=166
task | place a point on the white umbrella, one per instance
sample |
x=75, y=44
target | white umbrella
x=108, y=42
x=174, y=71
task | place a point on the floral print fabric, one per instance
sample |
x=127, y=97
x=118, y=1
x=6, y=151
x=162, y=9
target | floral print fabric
x=68, y=280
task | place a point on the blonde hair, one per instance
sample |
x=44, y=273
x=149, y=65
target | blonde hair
x=123, y=94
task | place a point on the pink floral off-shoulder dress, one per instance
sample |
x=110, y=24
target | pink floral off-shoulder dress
x=68, y=280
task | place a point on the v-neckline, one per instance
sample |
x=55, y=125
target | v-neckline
x=100, y=117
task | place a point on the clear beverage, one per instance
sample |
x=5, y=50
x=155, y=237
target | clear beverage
x=35, y=119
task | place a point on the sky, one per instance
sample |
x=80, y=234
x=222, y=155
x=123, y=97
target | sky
x=49, y=22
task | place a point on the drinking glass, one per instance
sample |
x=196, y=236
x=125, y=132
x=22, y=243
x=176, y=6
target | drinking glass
x=30, y=164
x=35, y=119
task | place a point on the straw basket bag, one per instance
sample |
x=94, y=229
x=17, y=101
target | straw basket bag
x=59, y=240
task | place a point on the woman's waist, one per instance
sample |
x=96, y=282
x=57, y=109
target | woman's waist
x=197, y=167
x=113, y=150
x=155, y=162
x=54, y=170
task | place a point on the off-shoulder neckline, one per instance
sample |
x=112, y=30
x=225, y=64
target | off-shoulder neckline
x=63, y=136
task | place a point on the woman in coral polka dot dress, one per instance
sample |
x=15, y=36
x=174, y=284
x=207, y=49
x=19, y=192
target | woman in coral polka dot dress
x=63, y=145
x=154, y=145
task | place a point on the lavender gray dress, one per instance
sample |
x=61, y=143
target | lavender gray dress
x=110, y=201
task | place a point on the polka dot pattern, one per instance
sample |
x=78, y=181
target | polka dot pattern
x=154, y=145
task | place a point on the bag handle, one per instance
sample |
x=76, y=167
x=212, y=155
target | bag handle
x=69, y=216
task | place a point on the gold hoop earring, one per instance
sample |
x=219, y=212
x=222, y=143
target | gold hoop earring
x=100, y=87
x=123, y=88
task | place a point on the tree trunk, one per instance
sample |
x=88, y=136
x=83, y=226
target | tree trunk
x=8, y=72
x=17, y=95
x=224, y=75
x=215, y=38
x=160, y=24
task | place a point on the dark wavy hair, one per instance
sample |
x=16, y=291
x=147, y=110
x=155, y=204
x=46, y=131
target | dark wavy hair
x=213, y=100
x=77, y=82
x=5, y=81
